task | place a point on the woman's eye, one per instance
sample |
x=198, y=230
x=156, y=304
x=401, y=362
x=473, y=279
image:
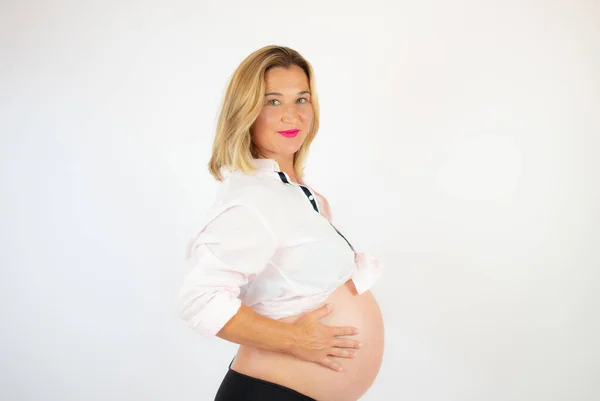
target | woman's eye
x=301, y=100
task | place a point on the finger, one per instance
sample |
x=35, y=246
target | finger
x=346, y=343
x=323, y=311
x=343, y=352
x=328, y=363
x=344, y=331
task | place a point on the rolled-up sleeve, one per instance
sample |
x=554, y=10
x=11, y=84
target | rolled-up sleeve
x=229, y=251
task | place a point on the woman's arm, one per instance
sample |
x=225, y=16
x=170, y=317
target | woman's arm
x=307, y=339
x=232, y=248
x=248, y=327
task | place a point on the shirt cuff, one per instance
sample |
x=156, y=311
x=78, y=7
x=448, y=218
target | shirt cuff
x=215, y=314
x=368, y=270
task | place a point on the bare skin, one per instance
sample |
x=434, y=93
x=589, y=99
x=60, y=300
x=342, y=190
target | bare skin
x=307, y=338
x=313, y=379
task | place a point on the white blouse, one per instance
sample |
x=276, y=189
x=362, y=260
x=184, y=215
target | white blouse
x=267, y=242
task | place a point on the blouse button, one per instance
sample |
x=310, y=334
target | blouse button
x=311, y=197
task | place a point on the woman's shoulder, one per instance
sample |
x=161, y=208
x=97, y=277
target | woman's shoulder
x=255, y=190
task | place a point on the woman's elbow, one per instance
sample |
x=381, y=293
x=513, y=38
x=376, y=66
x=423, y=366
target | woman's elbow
x=207, y=312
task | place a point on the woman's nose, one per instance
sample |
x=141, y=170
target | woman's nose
x=290, y=115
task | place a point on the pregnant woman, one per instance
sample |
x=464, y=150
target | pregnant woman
x=268, y=270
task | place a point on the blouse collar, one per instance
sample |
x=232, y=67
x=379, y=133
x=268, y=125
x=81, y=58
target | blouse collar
x=266, y=164
x=260, y=164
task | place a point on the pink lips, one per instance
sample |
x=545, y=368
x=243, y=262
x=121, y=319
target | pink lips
x=289, y=133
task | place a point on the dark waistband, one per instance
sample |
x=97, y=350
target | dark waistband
x=304, y=397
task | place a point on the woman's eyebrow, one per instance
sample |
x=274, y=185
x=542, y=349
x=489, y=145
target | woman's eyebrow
x=279, y=94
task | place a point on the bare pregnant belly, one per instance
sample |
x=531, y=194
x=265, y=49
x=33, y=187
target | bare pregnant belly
x=315, y=380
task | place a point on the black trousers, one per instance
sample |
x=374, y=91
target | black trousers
x=240, y=387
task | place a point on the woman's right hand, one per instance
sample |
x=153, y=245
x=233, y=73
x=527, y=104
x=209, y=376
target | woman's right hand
x=316, y=342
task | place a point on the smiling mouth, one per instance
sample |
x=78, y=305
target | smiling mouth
x=289, y=133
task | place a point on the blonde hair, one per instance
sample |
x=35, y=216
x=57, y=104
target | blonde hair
x=241, y=107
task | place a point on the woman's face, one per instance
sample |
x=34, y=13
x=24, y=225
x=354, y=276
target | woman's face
x=286, y=106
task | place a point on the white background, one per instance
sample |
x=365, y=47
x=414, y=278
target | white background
x=459, y=140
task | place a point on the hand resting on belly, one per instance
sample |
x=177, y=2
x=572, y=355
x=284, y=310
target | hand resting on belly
x=316, y=342
x=319, y=380
x=307, y=339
